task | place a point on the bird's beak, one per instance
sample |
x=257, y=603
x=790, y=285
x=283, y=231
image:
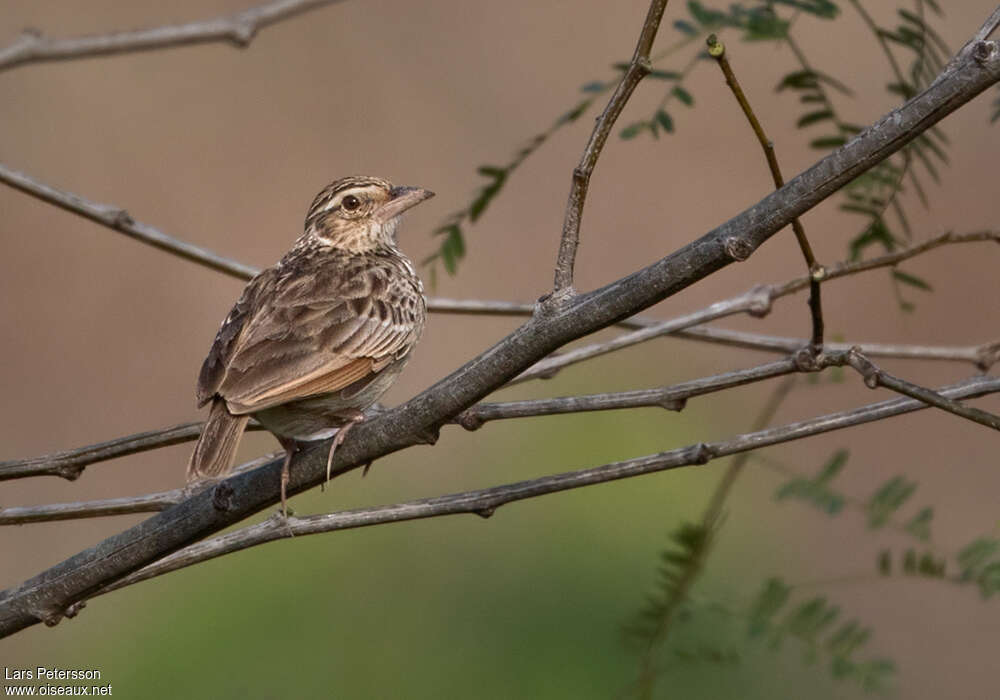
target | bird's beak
x=401, y=199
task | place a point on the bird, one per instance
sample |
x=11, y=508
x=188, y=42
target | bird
x=318, y=338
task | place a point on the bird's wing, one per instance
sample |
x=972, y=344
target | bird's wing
x=320, y=332
x=213, y=370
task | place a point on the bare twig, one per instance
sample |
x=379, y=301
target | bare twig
x=48, y=596
x=638, y=68
x=983, y=356
x=717, y=50
x=756, y=301
x=238, y=29
x=484, y=502
x=149, y=503
x=671, y=398
x=875, y=377
x=118, y=219
x=69, y=464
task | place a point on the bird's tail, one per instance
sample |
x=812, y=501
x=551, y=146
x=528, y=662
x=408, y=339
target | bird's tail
x=213, y=455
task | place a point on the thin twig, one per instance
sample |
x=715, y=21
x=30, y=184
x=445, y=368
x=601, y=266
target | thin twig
x=118, y=219
x=717, y=50
x=983, y=356
x=638, y=68
x=875, y=377
x=756, y=302
x=671, y=398
x=238, y=29
x=69, y=464
x=149, y=503
x=484, y=502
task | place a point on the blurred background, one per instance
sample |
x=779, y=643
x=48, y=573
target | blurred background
x=103, y=337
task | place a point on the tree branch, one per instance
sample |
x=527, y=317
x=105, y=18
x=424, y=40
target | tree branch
x=238, y=29
x=717, y=50
x=149, y=503
x=49, y=595
x=484, y=502
x=69, y=464
x=638, y=68
x=756, y=301
x=875, y=377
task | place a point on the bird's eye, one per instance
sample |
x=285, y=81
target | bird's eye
x=350, y=202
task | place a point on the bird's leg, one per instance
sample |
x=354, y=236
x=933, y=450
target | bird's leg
x=338, y=439
x=291, y=447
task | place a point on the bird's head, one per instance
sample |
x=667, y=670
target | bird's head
x=360, y=213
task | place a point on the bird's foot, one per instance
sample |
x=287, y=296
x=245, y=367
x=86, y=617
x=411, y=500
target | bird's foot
x=339, y=438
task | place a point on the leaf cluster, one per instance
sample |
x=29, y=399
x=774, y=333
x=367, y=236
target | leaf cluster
x=817, y=624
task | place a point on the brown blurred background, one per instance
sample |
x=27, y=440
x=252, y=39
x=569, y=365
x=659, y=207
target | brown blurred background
x=103, y=337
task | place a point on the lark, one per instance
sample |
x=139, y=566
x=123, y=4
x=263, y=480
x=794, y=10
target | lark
x=319, y=337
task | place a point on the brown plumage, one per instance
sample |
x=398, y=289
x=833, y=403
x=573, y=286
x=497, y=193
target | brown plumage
x=318, y=338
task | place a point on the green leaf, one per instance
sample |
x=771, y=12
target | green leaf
x=685, y=27
x=769, y=601
x=813, y=117
x=824, y=9
x=594, y=86
x=973, y=557
x=632, y=130
x=703, y=15
x=885, y=562
x=665, y=74
x=682, y=95
x=877, y=232
x=492, y=171
x=827, y=142
x=911, y=280
x=799, y=80
x=889, y=498
x=989, y=580
x=572, y=115
x=920, y=524
x=765, y=25
x=665, y=121
x=817, y=491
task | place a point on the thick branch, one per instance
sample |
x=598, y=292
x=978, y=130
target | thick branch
x=484, y=502
x=238, y=29
x=638, y=68
x=48, y=596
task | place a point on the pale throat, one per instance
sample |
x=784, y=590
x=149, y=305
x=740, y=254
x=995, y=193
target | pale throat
x=358, y=237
